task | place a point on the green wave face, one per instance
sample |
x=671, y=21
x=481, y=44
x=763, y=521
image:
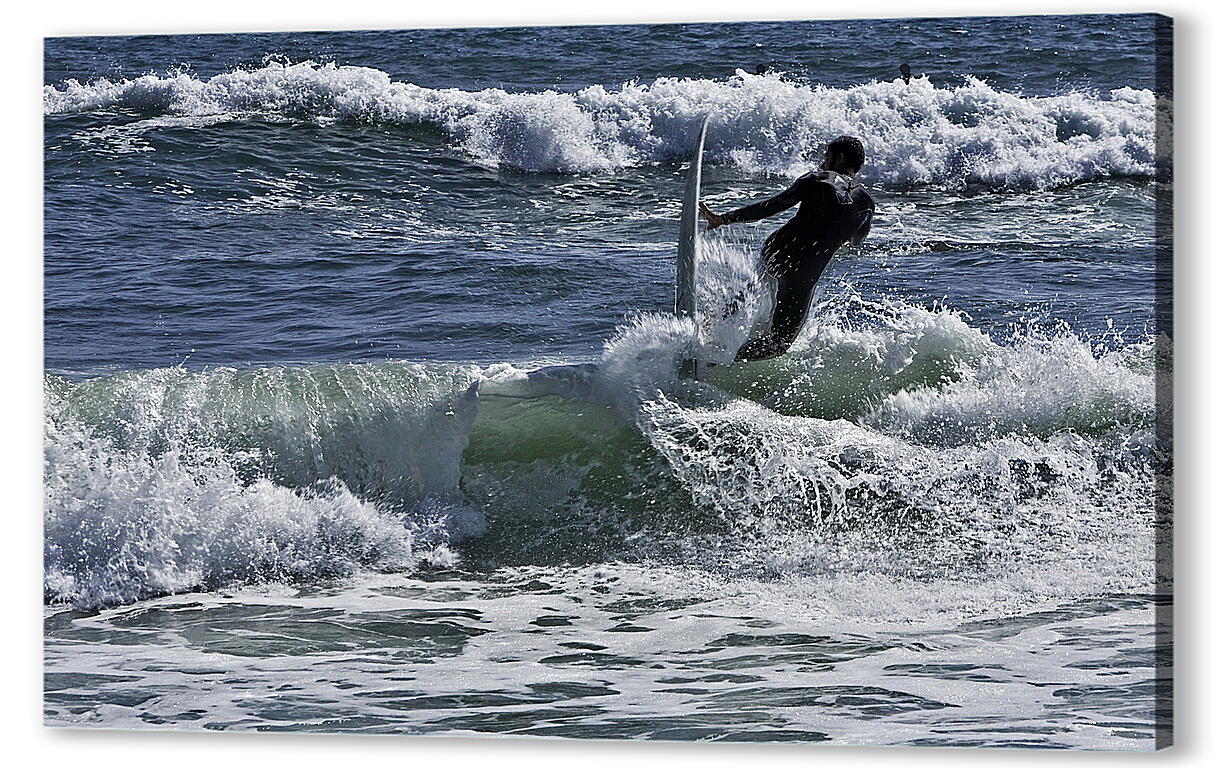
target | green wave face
x=891, y=438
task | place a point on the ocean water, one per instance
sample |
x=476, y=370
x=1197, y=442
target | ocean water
x=301, y=476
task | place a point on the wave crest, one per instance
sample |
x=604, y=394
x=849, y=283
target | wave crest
x=165, y=481
x=915, y=133
x=892, y=439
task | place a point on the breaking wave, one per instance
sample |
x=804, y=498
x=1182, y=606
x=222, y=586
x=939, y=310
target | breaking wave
x=895, y=441
x=165, y=480
x=915, y=133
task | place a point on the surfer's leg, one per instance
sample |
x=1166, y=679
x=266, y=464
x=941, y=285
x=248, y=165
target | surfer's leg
x=788, y=317
x=734, y=305
x=757, y=349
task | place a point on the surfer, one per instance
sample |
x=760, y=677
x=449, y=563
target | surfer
x=834, y=209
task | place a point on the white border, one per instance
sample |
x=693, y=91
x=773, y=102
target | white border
x=1202, y=74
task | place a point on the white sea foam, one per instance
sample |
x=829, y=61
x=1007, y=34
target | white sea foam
x=838, y=506
x=166, y=480
x=918, y=448
x=914, y=133
x=1041, y=385
x=901, y=443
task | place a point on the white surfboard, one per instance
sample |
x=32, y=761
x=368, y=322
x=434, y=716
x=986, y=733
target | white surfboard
x=689, y=234
x=577, y=380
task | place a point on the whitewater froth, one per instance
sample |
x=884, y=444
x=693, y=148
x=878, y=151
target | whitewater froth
x=167, y=480
x=893, y=441
x=916, y=133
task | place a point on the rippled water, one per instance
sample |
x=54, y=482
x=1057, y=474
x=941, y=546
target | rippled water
x=607, y=653
x=296, y=478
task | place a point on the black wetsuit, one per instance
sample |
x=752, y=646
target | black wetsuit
x=833, y=210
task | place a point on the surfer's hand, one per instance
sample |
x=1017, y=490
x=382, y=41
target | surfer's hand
x=714, y=220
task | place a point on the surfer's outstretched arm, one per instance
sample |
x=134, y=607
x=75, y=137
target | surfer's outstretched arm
x=756, y=211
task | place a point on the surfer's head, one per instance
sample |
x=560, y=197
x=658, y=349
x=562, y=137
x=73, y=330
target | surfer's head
x=845, y=155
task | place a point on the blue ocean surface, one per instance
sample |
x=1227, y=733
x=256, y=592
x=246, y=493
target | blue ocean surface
x=300, y=474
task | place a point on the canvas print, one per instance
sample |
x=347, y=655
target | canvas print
x=794, y=381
